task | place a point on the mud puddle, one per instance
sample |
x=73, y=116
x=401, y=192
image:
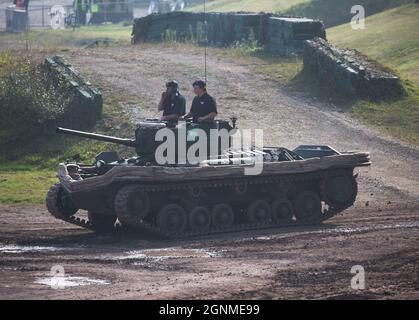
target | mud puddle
x=158, y=255
x=36, y=249
x=404, y=225
x=61, y=282
x=340, y=230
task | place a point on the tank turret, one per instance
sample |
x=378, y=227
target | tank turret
x=145, y=142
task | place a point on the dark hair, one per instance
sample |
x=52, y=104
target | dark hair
x=200, y=83
x=172, y=84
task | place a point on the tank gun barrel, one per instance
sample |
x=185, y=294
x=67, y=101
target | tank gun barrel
x=95, y=136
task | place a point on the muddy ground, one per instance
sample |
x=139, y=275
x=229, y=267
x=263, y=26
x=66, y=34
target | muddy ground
x=296, y=263
x=380, y=233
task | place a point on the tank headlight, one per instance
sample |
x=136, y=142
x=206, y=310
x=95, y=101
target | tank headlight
x=100, y=163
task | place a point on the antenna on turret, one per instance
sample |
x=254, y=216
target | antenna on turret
x=205, y=41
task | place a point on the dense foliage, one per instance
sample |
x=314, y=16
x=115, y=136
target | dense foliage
x=29, y=101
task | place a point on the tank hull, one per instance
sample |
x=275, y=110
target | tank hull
x=188, y=201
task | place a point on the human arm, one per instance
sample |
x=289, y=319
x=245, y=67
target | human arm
x=208, y=118
x=162, y=99
x=171, y=117
x=190, y=113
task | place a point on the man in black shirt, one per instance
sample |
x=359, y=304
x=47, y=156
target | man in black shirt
x=172, y=102
x=204, y=107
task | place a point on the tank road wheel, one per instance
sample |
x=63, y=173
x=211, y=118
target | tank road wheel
x=341, y=190
x=101, y=223
x=58, y=203
x=308, y=206
x=200, y=219
x=282, y=211
x=222, y=216
x=172, y=219
x=131, y=205
x=259, y=211
x=195, y=191
x=240, y=188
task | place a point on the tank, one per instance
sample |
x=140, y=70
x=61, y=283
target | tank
x=183, y=198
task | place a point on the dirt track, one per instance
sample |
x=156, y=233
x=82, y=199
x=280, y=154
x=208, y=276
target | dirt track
x=380, y=232
x=294, y=263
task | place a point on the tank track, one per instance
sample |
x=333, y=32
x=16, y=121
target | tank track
x=148, y=229
x=51, y=202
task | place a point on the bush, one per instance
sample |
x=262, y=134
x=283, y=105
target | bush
x=247, y=46
x=169, y=35
x=28, y=99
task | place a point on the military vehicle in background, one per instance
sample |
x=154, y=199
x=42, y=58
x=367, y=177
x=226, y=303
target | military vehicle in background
x=164, y=6
x=102, y=11
x=304, y=186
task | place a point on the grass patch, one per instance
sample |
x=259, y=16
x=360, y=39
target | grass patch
x=398, y=118
x=391, y=37
x=245, y=5
x=283, y=71
x=333, y=12
x=28, y=171
x=25, y=187
x=81, y=37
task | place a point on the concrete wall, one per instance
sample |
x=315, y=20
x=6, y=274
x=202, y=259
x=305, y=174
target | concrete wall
x=288, y=34
x=277, y=34
x=86, y=103
x=347, y=72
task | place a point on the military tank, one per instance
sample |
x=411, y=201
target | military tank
x=304, y=186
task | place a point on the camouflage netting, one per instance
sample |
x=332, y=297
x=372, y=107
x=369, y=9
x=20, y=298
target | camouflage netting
x=85, y=106
x=347, y=72
x=277, y=34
